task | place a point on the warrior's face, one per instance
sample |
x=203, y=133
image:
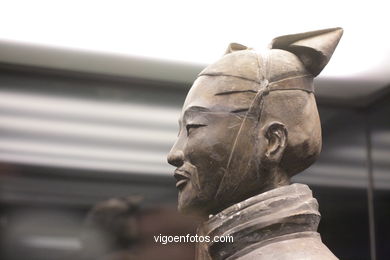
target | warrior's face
x=209, y=123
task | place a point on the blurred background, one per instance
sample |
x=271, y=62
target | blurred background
x=90, y=95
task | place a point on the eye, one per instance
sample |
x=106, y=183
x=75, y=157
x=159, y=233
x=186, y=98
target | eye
x=191, y=127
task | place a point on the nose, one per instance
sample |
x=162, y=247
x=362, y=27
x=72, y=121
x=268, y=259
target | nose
x=176, y=157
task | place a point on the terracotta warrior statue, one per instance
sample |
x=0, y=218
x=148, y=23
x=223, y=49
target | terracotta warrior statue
x=248, y=124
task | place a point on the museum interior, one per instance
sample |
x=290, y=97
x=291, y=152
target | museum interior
x=86, y=131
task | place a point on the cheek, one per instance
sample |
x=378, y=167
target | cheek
x=210, y=146
x=209, y=150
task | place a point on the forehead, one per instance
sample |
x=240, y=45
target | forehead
x=221, y=93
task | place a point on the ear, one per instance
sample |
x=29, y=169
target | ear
x=314, y=48
x=235, y=47
x=276, y=135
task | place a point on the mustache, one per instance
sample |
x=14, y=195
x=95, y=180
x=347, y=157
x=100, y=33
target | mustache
x=182, y=173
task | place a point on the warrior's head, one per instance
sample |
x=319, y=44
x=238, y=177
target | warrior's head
x=250, y=121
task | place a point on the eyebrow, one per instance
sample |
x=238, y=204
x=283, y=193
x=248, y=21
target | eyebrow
x=203, y=109
x=235, y=92
x=240, y=110
x=197, y=109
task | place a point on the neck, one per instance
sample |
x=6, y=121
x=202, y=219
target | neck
x=275, y=178
x=259, y=220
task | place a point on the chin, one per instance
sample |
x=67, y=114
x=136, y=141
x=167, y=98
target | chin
x=187, y=206
x=185, y=210
x=190, y=202
x=193, y=207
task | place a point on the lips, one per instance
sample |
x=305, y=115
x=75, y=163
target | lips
x=182, y=177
